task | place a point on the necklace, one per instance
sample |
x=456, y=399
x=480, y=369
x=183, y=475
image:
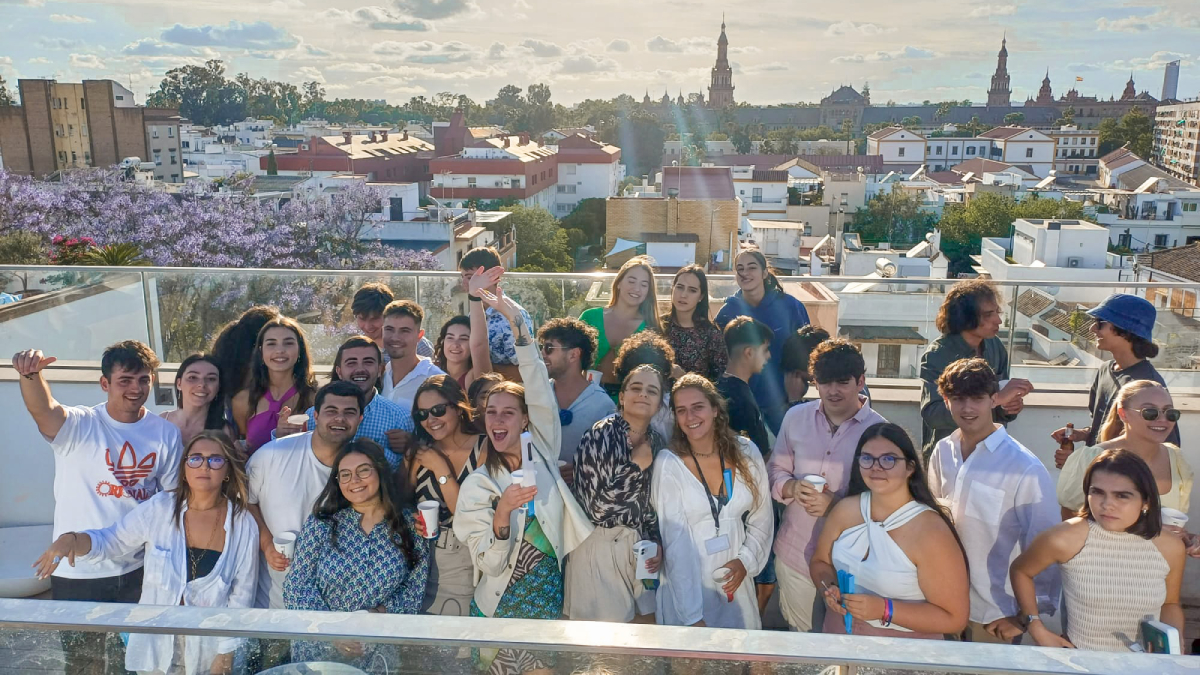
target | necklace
x=194, y=556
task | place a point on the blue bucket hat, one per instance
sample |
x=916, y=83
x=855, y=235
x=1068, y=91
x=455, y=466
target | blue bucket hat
x=1127, y=312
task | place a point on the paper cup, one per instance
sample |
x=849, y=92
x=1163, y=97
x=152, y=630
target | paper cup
x=719, y=577
x=429, y=511
x=816, y=482
x=285, y=543
x=1174, y=517
x=298, y=420
x=645, y=550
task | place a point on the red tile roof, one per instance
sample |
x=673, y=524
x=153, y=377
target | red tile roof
x=699, y=182
x=1002, y=133
x=1182, y=261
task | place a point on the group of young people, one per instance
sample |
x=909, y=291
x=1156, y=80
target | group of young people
x=623, y=466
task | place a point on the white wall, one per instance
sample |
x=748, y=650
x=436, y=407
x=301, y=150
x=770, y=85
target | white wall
x=672, y=254
x=589, y=181
x=913, y=146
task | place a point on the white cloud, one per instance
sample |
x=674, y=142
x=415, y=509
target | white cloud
x=154, y=47
x=850, y=28
x=26, y=3
x=618, y=46
x=87, y=61
x=427, y=52
x=39, y=60
x=1156, y=61
x=542, y=49
x=1129, y=24
x=309, y=74
x=7, y=61
x=497, y=51
x=435, y=9
x=258, y=35
x=69, y=18
x=992, y=10
x=693, y=45
x=908, y=52
x=586, y=63
x=377, y=18
x=57, y=43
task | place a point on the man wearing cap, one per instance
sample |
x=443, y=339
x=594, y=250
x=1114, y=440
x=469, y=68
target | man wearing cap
x=1124, y=327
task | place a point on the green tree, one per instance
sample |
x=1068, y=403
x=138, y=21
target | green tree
x=975, y=126
x=542, y=244
x=1014, y=118
x=911, y=122
x=272, y=163
x=6, y=97
x=943, y=109
x=589, y=217
x=115, y=255
x=991, y=215
x=640, y=137
x=1067, y=119
x=894, y=216
x=1135, y=130
x=741, y=140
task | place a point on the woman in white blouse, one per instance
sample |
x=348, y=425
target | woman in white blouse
x=714, y=513
x=910, y=571
x=201, y=549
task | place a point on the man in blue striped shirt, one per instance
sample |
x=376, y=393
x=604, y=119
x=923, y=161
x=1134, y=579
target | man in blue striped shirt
x=360, y=361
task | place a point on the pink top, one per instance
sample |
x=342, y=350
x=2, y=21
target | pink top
x=808, y=445
x=260, y=425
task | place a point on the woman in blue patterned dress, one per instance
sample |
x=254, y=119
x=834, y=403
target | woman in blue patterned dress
x=518, y=536
x=358, y=552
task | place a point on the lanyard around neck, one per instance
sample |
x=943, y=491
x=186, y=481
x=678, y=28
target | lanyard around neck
x=715, y=504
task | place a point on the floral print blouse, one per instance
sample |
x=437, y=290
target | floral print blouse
x=698, y=349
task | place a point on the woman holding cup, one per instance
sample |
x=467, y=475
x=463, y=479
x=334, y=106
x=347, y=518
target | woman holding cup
x=612, y=483
x=714, y=511
x=519, y=530
x=358, y=551
x=447, y=449
x=205, y=554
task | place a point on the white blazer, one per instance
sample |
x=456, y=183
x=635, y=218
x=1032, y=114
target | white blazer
x=151, y=527
x=562, y=520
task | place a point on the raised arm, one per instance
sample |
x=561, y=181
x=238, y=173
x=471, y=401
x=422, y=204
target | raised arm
x=480, y=344
x=47, y=413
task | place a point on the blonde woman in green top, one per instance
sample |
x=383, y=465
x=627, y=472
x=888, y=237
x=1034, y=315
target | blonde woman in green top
x=633, y=307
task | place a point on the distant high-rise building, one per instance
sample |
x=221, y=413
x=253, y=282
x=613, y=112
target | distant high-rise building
x=720, y=92
x=1170, y=82
x=1000, y=92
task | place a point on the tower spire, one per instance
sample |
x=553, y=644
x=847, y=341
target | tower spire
x=720, y=90
x=999, y=93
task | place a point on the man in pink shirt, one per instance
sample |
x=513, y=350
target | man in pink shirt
x=815, y=438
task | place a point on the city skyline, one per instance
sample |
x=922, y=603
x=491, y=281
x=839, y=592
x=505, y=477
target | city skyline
x=594, y=50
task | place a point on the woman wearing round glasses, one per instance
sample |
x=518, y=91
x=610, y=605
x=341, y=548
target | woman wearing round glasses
x=201, y=549
x=448, y=448
x=910, y=569
x=358, y=551
x=1140, y=420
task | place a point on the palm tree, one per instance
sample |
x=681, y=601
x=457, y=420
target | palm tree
x=115, y=255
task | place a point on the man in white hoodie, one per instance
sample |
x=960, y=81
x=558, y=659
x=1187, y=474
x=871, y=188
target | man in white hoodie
x=567, y=347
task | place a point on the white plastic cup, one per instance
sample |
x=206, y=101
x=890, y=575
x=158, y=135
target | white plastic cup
x=814, y=481
x=518, y=477
x=298, y=420
x=1174, y=517
x=429, y=511
x=285, y=543
x=719, y=577
x=645, y=550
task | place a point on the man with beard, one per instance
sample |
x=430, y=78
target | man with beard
x=286, y=476
x=359, y=361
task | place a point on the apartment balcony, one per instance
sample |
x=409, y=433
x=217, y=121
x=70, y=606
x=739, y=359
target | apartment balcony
x=73, y=313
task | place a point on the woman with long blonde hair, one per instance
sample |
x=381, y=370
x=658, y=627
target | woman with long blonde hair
x=633, y=307
x=1140, y=420
x=714, y=511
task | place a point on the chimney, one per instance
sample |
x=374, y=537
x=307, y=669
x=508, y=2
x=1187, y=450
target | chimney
x=372, y=136
x=383, y=135
x=404, y=136
x=346, y=138
x=506, y=140
x=524, y=139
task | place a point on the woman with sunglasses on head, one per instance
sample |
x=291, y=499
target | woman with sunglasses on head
x=447, y=449
x=713, y=503
x=632, y=308
x=519, y=536
x=198, y=395
x=358, y=551
x=699, y=345
x=910, y=569
x=1119, y=567
x=205, y=554
x=761, y=297
x=1140, y=420
x=612, y=483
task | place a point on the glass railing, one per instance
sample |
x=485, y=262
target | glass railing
x=75, y=312
x=31, y=631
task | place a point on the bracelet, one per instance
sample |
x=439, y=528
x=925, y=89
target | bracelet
x=887, y=613
x=474, y=298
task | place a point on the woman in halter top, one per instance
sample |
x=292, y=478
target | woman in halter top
x=910, y=571
x=281, y=375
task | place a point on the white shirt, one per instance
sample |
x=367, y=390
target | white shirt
x=102, y=470
x=1000, y=499
x=152, y=527
x=687, y=592
x=284, y=478
x=405, y=391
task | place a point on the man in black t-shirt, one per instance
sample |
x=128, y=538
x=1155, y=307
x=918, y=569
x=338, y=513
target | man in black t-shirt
x=748, y=342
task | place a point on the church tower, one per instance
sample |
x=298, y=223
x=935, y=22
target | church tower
x=720, y=92
x=1130, y=89
x=1000, y=92
x=1045, y=94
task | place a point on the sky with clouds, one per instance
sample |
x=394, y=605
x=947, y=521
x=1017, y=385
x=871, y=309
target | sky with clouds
x=782, y=51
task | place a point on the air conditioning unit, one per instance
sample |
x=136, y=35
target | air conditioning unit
x=1074, y=262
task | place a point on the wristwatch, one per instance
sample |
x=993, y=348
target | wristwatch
x=1030, y=618
x=442, y=480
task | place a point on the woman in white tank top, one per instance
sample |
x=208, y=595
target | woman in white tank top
x=910, y=572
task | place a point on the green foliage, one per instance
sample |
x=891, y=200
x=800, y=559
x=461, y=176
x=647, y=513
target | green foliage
x=589, y=218
x=1134, y=129
x=892, y=216
x=640, y=137
x=1014, y=118
x=272, y=163
x=542, y=244
x=22, y=248
x=6, y=97
x=115, y=255
x=1067, y=119
x=911, y=122
x=991, y=215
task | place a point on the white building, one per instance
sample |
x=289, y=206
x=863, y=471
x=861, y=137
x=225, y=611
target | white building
x=498, y=168
x=250, y=131
x=1052, y=250
x=764, y=194
x=1028, y=148
x=1075, y=150
x=587, y=169
x=1144, y=207
x=1022, y=146
x=897, y=145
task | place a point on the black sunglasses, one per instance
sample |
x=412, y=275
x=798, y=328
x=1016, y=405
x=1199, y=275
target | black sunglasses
x=1151, y=414
x=215, y=462
x=438, y=410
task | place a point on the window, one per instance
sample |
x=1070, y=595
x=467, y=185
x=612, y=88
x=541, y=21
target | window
x=939, y=151
x=564, y=208
x=1160, y=240
x=1189, y=207
x=173, y=160
x=396, y=205
x=74, y=157
x=954, y=151
x=757, y=197
x=970, y=150
x=119, y=97
x=566, y=189
x=87, y=157
x=983, y=149
x=1124, y=240
x=470, y=181
x=185, y=144
x=170, y=132
x=532, y=180
x=83, y=130
x=153, y=132
x=62, y=156
x=70, y=129
x=901, y=153
x=82, y=104
x=516, y=183
x=174, y=178
x=569, y=169
x=543, y=175
x=1029, y=152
